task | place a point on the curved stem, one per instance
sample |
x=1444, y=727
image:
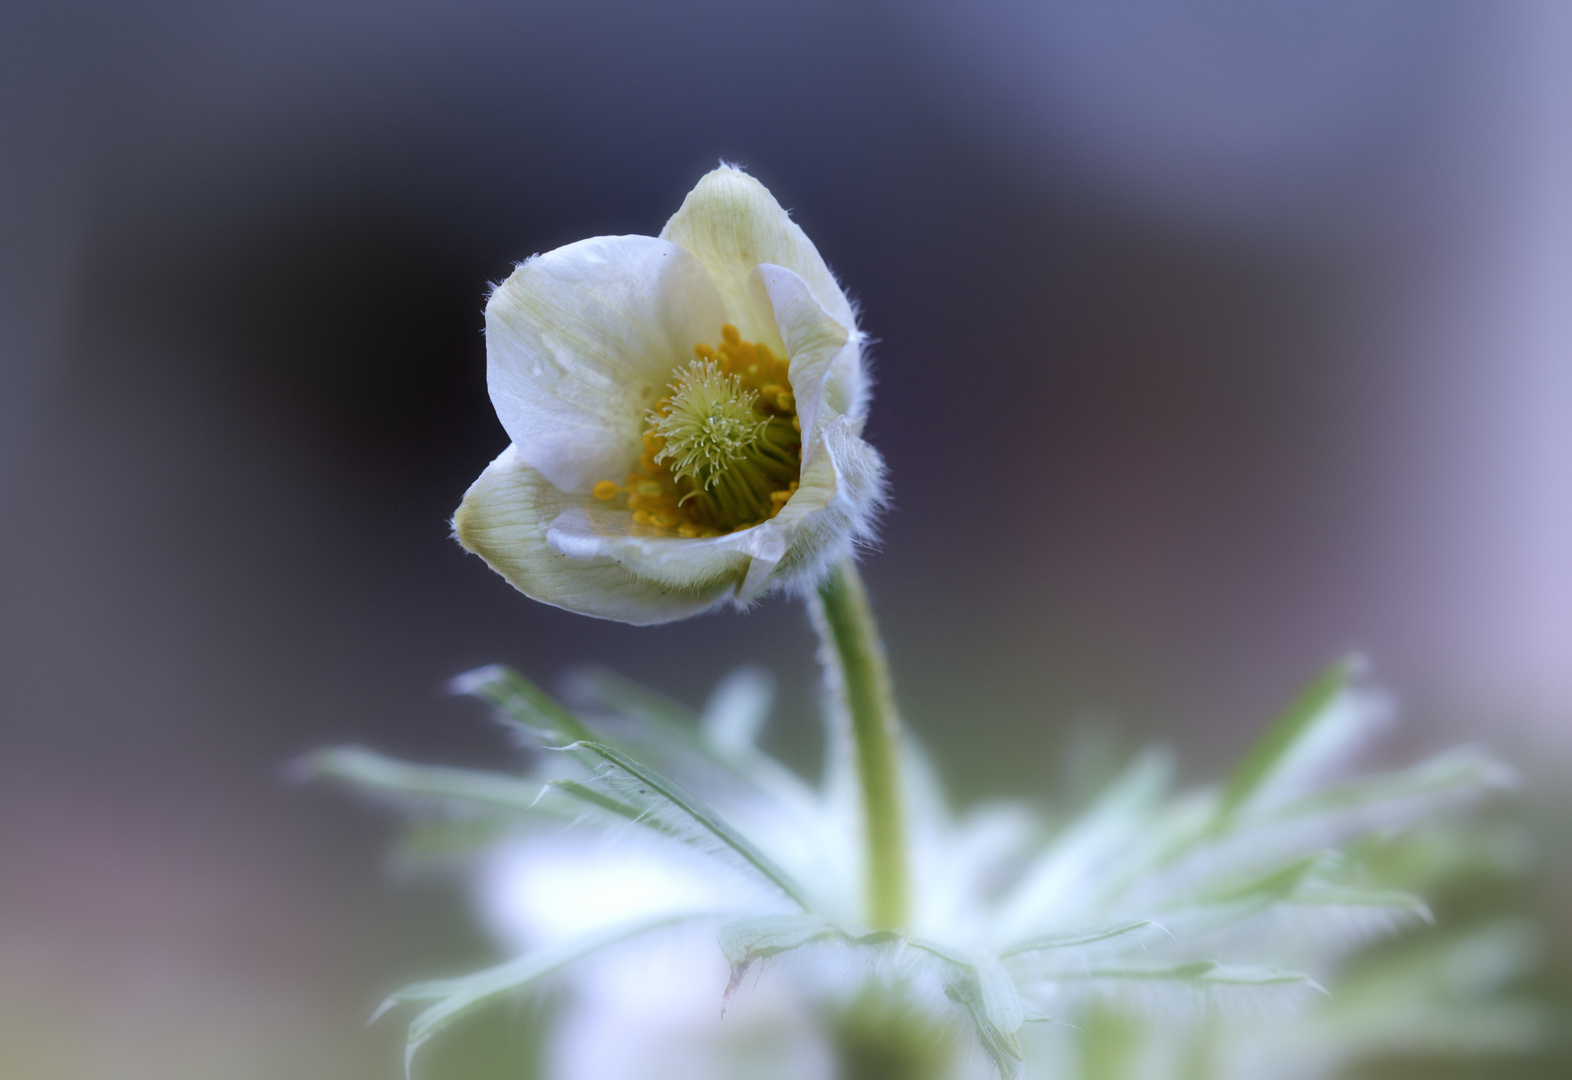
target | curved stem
x=854, y=658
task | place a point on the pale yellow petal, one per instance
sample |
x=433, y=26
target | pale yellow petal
x=504, y=518
x=690, y=565
x=841, y=491
x=580, y=342
x=732, y=223
x=826, y=355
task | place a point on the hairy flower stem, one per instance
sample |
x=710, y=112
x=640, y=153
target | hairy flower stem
x=859, y=674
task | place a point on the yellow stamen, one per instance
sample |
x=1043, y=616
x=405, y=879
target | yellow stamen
x=723, y=448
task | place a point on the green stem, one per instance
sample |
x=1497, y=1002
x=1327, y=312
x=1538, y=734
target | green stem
x=854, y=658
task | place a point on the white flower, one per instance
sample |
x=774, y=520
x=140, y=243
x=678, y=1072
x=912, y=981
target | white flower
x=686, y=416
x=685, y=411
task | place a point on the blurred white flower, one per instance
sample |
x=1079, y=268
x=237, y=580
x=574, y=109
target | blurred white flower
x=649, y=1008
x=685, y=412
x=701, y=902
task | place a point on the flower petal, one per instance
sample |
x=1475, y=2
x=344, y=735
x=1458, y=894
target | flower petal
x=581, y=340
x=793, y=526
x=732, y=223
x=841, y=487
x=598, y=532
x=841, y=490
x=504, y=518
x=825, y=354
x=697, y=564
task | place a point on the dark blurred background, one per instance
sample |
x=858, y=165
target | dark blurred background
x=1214, y=340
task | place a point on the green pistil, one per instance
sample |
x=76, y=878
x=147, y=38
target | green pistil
x=723, y=448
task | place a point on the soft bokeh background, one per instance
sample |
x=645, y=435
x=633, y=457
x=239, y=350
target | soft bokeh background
x=1215, y=339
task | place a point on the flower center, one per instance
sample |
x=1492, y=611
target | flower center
x=724, y=447
x=710, y=424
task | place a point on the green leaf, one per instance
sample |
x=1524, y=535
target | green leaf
x=677, y=738
x=737, y=710
x=991, y=999
x=1121, y=818
x=1201, y=973
x=617, y=782
x=1274, y=748
x=646, y=796
x=367, y=769
x=1257, y=893
x=1156, y=989
x=1076, y=938
x=1317, y=894
x=1416, y=790
x=721, y=737
x=614, y=692
x=762, y=936
x=942, y=952
x=747, y=940
x=989, y=996
x=1220, y=905
x=1309, y=883
x=452, y=998
x=522, y=704
x=591, y=795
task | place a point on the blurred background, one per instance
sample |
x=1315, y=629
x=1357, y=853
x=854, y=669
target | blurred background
x=1214, y=340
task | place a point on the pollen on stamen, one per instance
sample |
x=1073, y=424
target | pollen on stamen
x=722, y=450
x=712, y=422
